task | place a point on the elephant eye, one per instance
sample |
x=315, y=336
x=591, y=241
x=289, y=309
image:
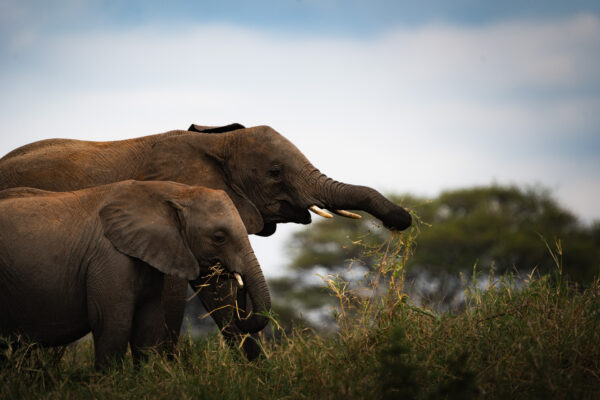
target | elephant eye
x=275, y=172
x=219, y=238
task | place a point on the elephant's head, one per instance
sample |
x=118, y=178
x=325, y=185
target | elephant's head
x=266, y=170
x=184, y=231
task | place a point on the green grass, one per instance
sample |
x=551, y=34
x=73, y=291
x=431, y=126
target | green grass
x=538, y=341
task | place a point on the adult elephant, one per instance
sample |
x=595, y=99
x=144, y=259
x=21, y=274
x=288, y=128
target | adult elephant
x=269, y=180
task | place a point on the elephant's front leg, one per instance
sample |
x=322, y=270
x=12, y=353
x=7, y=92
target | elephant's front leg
x=148, y=328
x=110, y=321
x=111, y=305
x=174, y=299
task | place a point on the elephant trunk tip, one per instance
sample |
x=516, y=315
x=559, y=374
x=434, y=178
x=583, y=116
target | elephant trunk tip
x=397, y=220
x=254, y=323
x=251, y=318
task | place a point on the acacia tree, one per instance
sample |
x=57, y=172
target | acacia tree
x=504, y=228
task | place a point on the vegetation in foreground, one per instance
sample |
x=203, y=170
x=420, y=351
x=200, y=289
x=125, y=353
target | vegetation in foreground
x=537, y=340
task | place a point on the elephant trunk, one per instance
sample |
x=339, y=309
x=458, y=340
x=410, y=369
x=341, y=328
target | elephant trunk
x=254, y=298
x=339, y=196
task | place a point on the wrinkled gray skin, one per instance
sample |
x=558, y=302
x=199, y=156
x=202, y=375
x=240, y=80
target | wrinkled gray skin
x=267, y=177
x=94, y=260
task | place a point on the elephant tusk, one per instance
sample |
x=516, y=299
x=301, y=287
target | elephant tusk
x=320, y=211
x=238, y=277
x=347, y=214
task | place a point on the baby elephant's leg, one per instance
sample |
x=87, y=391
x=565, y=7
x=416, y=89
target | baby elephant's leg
x=149, y=330
x=111, y=306
x=174, y=301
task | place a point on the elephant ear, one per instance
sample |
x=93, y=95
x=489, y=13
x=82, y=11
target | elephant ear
x=148, y=228
x=182, y=159
x=215, y=129
x=248, y=212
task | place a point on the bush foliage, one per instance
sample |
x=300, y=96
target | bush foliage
x=499, y=229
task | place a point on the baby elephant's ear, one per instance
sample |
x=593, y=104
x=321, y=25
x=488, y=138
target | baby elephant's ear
x=147, y=228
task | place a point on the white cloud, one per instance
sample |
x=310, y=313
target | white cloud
x=411, y=110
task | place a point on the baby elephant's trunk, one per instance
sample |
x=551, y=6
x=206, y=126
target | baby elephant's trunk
x=254, y=298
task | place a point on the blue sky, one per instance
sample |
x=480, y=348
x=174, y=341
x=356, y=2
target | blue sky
x=356, y=17
x=402, y=96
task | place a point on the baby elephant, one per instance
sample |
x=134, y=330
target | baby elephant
x=94, y=260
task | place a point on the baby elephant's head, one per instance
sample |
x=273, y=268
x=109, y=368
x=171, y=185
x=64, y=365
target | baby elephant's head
x=217, y=237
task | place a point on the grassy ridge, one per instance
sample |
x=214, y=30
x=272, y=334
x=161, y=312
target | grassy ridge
x=542, y=340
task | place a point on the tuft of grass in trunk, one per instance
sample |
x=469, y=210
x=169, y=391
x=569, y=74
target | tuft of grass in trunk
x=538, y=339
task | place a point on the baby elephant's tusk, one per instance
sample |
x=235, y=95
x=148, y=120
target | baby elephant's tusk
x=238, y=277
x=347, y=214
x=320, y=211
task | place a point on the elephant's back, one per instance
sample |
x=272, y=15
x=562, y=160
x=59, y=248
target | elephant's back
x=20, y=192
x=47, y=164
x=70, y=164
x=74, y=145
x=29, y=217
x=32, y=147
